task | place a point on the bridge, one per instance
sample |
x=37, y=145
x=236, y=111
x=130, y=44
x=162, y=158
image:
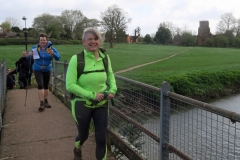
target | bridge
x=28, y=134
x=145, y=122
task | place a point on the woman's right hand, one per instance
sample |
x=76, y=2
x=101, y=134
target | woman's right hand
x=99, y=97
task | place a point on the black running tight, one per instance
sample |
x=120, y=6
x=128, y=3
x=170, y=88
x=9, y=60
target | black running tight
x=83, y=117
x=42, y=79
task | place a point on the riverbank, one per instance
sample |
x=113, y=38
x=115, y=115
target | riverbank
x=206, y=85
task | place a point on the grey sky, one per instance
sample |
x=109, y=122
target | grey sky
x=147, y=14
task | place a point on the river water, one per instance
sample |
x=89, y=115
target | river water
x=231, y=103
x=204, y=135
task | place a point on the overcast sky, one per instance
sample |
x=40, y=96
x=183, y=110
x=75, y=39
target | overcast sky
x=147, y=14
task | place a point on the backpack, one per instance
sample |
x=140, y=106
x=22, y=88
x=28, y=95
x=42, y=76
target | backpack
x=81, y=64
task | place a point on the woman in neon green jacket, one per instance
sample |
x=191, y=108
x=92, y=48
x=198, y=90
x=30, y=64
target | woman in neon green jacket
x=91, y=93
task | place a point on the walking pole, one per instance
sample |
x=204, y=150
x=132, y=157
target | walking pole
x=27, y=80
x=14, y=81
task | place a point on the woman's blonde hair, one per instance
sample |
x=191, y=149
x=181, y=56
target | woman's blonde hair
x=92, y=31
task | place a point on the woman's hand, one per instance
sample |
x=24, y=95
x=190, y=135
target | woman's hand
x=51, y=52
x=99, y=97
x=110, y=96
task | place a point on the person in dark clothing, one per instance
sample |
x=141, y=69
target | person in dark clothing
x=10, y=80
x=24, y=68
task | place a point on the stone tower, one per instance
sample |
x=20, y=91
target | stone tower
x=203, y=33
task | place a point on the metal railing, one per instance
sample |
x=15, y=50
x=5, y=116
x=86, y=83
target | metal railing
x=2, y=91
x=153, y=123
x=198, y=129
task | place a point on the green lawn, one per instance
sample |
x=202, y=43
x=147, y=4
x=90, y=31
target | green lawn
x=122, y=55
x=128, y=55
x=194, y=60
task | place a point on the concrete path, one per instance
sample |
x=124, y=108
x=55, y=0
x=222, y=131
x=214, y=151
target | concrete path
x=31, y=135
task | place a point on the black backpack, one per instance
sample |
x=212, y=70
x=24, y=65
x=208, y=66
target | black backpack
x=81, y=64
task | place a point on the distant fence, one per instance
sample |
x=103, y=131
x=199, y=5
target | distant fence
x=153, y=123
x=2, y=91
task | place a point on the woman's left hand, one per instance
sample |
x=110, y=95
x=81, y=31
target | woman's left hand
x=110, y=96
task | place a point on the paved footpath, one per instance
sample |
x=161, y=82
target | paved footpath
x=31, y=135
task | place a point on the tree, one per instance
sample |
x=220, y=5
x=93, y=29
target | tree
x=6, y=26
x=220, y=41
x=15, y=29
x=84, y=24
x=13, y=22
x=227, y=22
x=169, y=25
x=163, y=35
x=237, y=28
x=237, y=42
x=113, y=21
x=229, y=35
x=121, y=36
x=147, y=38
x=209, y=42
x=42, y=22
x=187, y=39
x=70, y=19
x=136, y=33
x=32, y=32
x=55, y=30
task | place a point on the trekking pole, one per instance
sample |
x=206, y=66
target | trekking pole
x=14, y=81
x=28, y=79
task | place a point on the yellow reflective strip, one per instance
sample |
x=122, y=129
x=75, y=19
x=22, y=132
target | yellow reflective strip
x=73, y=110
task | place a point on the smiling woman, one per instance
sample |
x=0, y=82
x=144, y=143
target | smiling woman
x=90, y=93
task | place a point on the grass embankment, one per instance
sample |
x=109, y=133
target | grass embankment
x=199, y=72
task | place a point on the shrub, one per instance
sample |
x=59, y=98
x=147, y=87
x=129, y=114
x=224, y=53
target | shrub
x=205, y=85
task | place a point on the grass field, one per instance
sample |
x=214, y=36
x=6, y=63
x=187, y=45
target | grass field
x=124, y=56
x=196, y=59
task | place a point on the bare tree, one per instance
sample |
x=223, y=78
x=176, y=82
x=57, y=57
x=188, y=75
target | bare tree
x=84, y=24
x=136, y=34
x=13, y=22
x=237, y=28
x=227, y=22
x=169, y=25
x=114, y=20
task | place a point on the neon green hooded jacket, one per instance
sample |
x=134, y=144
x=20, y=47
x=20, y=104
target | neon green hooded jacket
x=89, y=84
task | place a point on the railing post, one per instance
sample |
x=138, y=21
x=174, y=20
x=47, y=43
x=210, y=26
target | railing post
x=64, y=78
x=164, y=120
x=55, y=74
x=3, y=89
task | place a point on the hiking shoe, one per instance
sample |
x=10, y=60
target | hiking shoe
x=42, y=107
x=47, y=105
x=77, y=154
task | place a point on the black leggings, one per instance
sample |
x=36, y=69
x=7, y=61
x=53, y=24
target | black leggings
x=42, y=79
x=99, y=115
